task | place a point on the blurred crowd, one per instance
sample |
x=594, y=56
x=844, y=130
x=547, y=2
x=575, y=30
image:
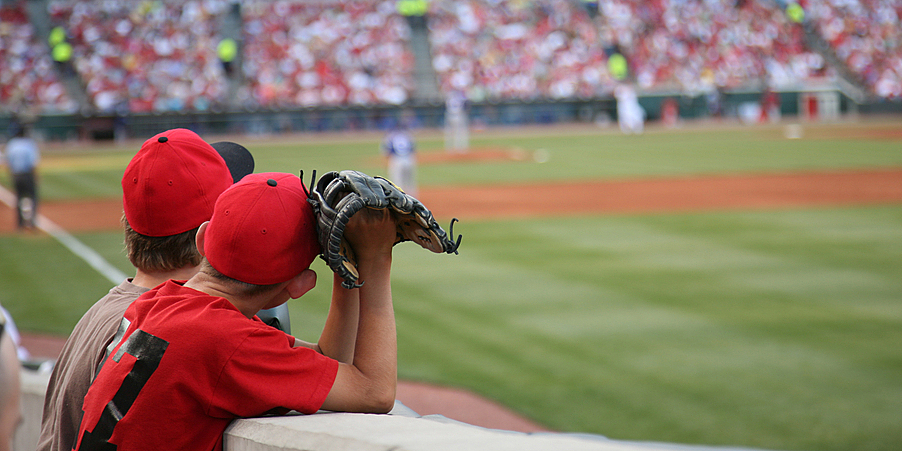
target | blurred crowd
x=326, y=53
x=27, y=75
x=512, y=49
x=148, y=56
x=161, y=55
x=867, y=36
x=697, y=45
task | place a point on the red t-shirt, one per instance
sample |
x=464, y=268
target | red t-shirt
x=188, y=364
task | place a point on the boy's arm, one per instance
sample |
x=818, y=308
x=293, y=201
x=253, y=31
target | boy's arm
x=369, y=381
x=340, y=332
x=339, y=335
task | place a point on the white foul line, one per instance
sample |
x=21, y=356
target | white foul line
x=77, y=247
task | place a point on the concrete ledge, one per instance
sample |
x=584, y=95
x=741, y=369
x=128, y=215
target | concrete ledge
x=403, y=430
x=34, y=386
x=350, y=431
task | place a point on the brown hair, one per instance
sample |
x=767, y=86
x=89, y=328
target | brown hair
x=165, y=253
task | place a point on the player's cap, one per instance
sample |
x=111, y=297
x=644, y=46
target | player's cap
x=172, y=183
x=237, y=158
x=263, y=230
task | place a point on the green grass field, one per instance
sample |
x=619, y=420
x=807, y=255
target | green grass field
x=773, y=329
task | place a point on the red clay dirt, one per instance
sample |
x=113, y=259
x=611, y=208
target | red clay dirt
x=670, y=195
x=662, y=195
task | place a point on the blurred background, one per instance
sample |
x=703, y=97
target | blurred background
x=100, y=70
x=682, y=219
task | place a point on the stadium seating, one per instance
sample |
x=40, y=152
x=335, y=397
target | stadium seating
x=28, y=82
x=517, y=50
x=866, y=35
x=156, y=56
x=694, y=45
x=326, y=53
x=160, y=56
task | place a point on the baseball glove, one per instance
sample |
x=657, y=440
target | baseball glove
x=337, y=196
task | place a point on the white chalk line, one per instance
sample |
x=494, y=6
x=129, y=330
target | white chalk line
x=90, y=256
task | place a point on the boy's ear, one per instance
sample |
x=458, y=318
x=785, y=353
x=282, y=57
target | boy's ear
x=199, y=238
x=301, y=283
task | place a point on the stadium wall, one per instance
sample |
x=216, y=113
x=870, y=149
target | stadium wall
x=270, y=121
x=427, y=115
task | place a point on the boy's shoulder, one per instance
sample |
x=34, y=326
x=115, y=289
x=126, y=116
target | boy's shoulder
x=185, y=313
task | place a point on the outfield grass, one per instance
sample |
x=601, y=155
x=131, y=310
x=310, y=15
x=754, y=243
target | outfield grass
x=44, y=286
x=773, y=329
x=764, y=329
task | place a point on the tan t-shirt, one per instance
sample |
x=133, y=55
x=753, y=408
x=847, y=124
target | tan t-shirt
x=77, y=366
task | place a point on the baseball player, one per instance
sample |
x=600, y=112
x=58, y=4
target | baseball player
x=22, y=157
x=400, y=149
x=193, y=355
x=169, y=189
x=457, y=134
x=630, y=114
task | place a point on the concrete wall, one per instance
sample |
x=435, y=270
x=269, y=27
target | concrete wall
x=34, y=385
x=402, y=429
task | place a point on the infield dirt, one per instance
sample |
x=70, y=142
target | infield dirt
x=659, y=195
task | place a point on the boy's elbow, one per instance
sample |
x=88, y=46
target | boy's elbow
x=382, y=407
x=355, y=391
x=384, y=400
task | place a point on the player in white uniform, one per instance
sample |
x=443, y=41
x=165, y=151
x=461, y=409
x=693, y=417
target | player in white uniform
x=400, y=149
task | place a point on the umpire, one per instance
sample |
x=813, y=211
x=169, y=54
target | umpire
x=22, y=157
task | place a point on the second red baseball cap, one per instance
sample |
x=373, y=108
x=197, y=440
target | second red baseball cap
x=171, y=184
x=263, y=230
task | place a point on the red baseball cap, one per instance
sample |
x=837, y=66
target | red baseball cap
x=172, y=183
x=263, y=230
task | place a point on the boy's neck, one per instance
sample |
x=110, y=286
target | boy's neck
x=247, y=305
x=150, y=279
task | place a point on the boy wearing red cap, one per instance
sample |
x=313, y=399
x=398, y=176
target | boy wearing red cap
x=169, y=189
x=194, y=356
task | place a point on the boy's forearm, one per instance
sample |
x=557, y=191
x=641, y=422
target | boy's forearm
x=340, y=331
x=369, y=383
x=376, y=353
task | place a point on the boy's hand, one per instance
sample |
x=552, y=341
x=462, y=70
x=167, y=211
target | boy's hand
x=339, y=196
x=371, y=233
